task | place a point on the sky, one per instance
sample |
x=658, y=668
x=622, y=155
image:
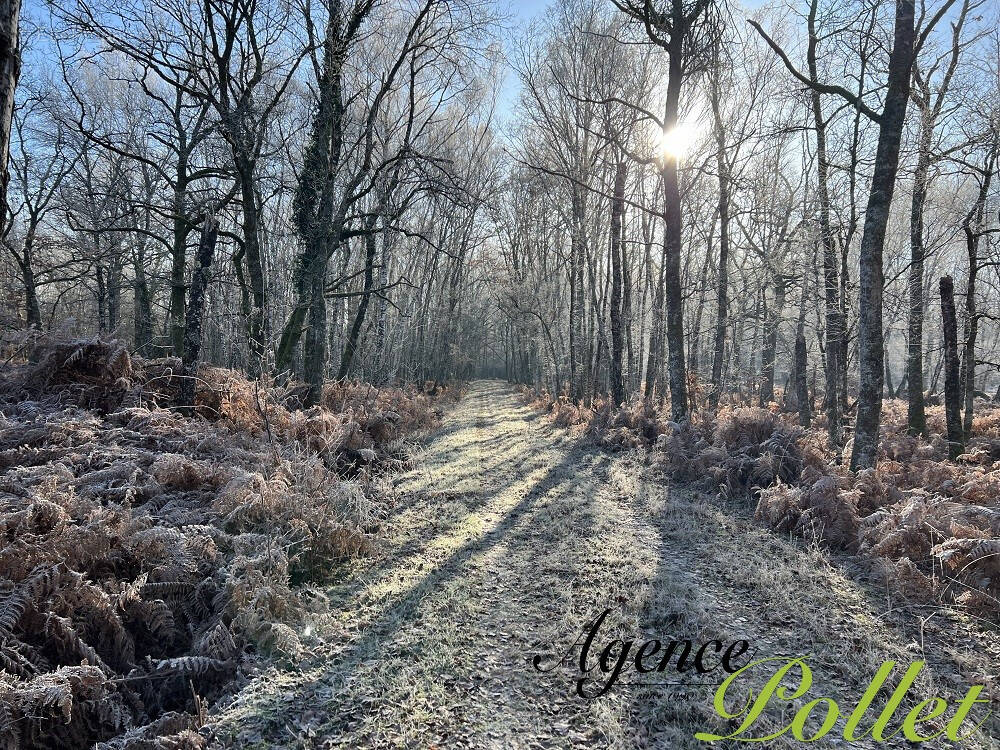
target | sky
x=526, y=9
x=521, y=12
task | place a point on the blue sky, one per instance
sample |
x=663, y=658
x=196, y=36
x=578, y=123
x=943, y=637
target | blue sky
x=524, y=9
x=520, y=11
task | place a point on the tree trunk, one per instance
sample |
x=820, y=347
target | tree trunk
x=871, y=275
x=291, y=333
x=967, y=371
x=930, y=109
x=178, y=257
x=844, y=343
x=195, y=308
x=359, y=316
x=10, y=70
x=592, y=363
x=617, y=348
x=32, y=310
x=672, y=232
x=654, y=357
x=256, y=322
x=143, y=304
x=381, y=363
x=452, y=313
x=631, y=367
x=952, y=386
x=801, y=365
x=577, y=312
x=834, y=320
x=694, y=360
x=770, y=351
x=722, y=306
x=114, y=290
x=314, y=349
x=102, y=298
x=318, y=228
x=972, y=226
x=916, y=417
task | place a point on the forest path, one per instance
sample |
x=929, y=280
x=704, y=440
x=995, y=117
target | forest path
x=510, y=535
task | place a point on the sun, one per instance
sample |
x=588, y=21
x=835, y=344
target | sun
x=676, y=142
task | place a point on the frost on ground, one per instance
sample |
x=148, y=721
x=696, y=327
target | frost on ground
x=150, y=559
x=509, y=536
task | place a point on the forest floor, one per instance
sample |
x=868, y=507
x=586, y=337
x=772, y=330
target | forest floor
x=511, y=534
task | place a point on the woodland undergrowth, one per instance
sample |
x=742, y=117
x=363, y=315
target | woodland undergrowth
x=151, y=556
x=928, y=526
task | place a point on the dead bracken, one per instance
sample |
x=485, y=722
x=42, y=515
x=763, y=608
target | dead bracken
x=929, y=525
x=147, y=558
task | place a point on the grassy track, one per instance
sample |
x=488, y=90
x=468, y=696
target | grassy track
x=509, y=536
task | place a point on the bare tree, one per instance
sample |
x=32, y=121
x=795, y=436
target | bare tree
x=682, y=29
x=232, y=56
x=930, y=106
x=42, y=159
x=974, y=228
x=906, y=43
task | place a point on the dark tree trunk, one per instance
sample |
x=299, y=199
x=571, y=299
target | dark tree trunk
x=592, y=361
x=677, y=29
x=291, y=333
x=844, y=343
x=647, y=286
x=256, y=321
x=319, y=225
x=672, y=230
x=596, y=369
x=143, y=323
x=916, y=417
x=952, y=385
x=143, y=303
x=769, y=354
x=801, y=365
x=178, y=257
x=314, y=350
x=10, y=70
x=968, y=362
x=102, y=298
x=195, y=308
x=359, y=316
x=246, y=305
x=617, y=348
x=32, y=310
x=871, y=275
